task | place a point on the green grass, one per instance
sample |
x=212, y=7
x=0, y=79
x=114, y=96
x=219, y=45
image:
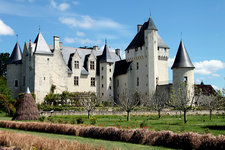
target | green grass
x=3, y=116
x=90, y=141
x=196, y=123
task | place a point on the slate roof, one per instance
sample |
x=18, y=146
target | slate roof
x=139, y=41
x=121, y=67
x=205, y=89
x=41, y=45
x=16, y=56
x=106, y=56
x=182, y=59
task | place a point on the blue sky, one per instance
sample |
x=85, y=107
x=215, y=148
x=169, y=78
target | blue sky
x=89, y=22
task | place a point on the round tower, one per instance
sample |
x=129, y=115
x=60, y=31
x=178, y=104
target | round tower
x=183, y=70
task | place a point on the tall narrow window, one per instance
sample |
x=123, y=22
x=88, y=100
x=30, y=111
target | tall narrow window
x=137, y=81
x=92, y=65
x=76, y=64
x=185, y=79
x=16, y=83
x=76, y=80
x=137, y=65
x=110, y=79
x=92, y=81
x=102, y=68
x=24, y=80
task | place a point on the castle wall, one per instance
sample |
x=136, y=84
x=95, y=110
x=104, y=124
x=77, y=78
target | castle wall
x=163, y=55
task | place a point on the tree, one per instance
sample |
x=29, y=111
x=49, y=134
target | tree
x=129, y=101
x=89, y=101
x=182, y=99
x=158, y=100
x=4, y=57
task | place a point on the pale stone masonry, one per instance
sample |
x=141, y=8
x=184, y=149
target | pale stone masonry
x=89, y=69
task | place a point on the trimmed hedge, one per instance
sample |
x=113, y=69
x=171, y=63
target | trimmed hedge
x=187, y=140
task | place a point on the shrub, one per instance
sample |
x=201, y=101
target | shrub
x=93, y=120
x=80, y=121
x=42, y=118
x=60, y=121
x=73, y=121
x=143, y=124
x=107, y=103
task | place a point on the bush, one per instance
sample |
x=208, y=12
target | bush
x=80, y=121
x=73, y=121
x=60, y=121
x=107, y=103
x=143, y=124
x=42, y=118
x=93, y=120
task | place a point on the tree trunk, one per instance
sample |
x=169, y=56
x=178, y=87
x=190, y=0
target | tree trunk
x=89, y=114
x=210, y=114
x=159, y=113
x=185, y=116
x=128, y=115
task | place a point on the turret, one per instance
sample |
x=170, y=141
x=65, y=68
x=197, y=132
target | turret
x=106, y=75
x=14, y=71
x=183, y=70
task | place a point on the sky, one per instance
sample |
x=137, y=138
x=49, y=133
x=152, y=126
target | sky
x=89, y=22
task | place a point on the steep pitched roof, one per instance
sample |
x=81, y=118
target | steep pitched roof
x=204, y=89
x=16, y=56
x=121, y=67
x=139, y=41
x=182, y=59
x=41, y=45
x=106, y=57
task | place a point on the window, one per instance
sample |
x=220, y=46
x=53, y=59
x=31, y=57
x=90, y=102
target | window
x=102, y=77
x=137, y=81
x=141, y=48
x=76, y=64
x=24, y=80
x=185, y=79
x=92, y=65
x=102, y=94
x=136, y=49
x=76, y=80
x=92, y=81
x=102, y=85
x=127, y=51
x=102, y=68
x=110, y=70
x=110, y=79
x=16, y=83
x=110, y=87
x=137, y=65
x=110, y=64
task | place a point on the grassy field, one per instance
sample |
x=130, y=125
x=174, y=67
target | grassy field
x=196, y=123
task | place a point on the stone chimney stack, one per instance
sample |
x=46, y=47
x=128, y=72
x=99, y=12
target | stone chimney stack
x=117, y=51
x=95, y=47
x=56, y=43
x=138, y=27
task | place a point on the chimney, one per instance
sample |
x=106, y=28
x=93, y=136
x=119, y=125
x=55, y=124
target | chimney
x=95, y=47
x=60, y=45
x=117, y=51
x=56, y=43
x=138, y=27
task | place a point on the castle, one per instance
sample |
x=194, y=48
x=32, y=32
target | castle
x=103, y=72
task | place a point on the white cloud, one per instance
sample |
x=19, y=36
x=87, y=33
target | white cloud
x=5, y=29
x=31, y=1
x=75, y=2
x=81, y=41
x=209, y=67
x=87, y=22
x=80, y=33
x=170, y=62
x=61, y=7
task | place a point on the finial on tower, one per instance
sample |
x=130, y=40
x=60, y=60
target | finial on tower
x=39, y=29
x=105, y=41
x=17, y=37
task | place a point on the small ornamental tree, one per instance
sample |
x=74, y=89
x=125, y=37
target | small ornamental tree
x=182, y=99
x=129, y=101
x=158, y=100
x=89, y=101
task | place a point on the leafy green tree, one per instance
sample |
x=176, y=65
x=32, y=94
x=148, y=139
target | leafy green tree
x=4, y=57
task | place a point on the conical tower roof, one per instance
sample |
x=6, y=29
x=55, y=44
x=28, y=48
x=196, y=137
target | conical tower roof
x=182, y=59
x=41, y=45
x=151, y=25
x=106, y=57
x=16, y=56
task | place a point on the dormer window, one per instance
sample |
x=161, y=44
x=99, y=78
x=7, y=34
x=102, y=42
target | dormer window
x=136, y=49
x=76, y=64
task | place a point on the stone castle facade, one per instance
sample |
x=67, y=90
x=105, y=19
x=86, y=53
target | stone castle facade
x=145, y=67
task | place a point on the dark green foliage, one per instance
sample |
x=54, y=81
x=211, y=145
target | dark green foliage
x=4, y=57
x=42, y=118
x=80, y=121
x=107, y=104
x=93, y=120
x=21, y=95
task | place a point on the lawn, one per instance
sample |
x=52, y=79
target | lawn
x=196, y=123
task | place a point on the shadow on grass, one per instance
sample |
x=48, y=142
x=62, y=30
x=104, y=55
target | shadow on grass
x=216, y=127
